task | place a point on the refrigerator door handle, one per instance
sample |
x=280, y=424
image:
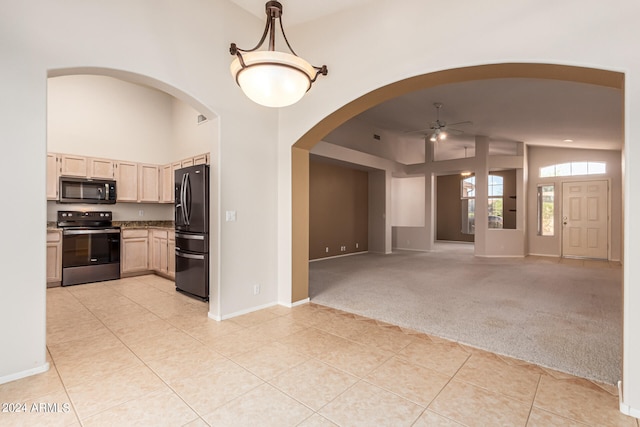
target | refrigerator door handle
x=182, y=201
x=189, y=256
x=187, y=198
x=190, y=236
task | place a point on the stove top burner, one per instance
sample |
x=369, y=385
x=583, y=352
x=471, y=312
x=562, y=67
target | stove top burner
x=81, y=219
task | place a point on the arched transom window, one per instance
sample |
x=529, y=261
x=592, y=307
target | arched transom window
x=573, y=168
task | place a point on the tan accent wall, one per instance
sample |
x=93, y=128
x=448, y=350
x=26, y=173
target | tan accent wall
x=300, y=224
x=510, y=202
x=449, y=210
x=338, y=210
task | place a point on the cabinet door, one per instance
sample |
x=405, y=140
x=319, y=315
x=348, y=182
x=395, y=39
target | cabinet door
x=148, y=189
x=127, y=179
x=164, y=261
x=155, y=254
x=54, y=256
x=187, y=162
x=53, y=173
x=171, y=255
x=135, y=255
x=166, y=182
x=100, y=168
x=202, y=159
x=73, y=165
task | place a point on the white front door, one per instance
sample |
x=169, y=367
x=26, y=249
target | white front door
x=585, y=219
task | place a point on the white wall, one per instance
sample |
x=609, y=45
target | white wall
x=379, y=211
x=188, y=137
x=359, y=135
x=407, y=201
x=102, y=116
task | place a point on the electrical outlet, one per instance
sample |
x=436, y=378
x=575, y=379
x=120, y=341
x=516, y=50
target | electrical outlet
x=256, y=289
x=140, y=212
x=356, y=246
x=326, y=249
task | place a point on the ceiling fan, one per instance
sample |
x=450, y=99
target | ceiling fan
x=439, y=130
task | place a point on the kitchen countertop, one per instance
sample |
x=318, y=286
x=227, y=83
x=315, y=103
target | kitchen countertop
x=144, y=224
x=52, y=225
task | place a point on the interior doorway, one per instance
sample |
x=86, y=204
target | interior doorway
x=585, y=219
x=300, y=150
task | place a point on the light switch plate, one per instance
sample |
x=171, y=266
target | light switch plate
x=231, y=216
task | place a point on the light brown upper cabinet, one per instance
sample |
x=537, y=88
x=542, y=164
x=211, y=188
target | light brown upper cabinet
x=73, y=165
x=100, y=168
x=167, y=182
x=187, y=162
x=127, y=179
x=148, y=188
x=202, y=159
x=137, y=182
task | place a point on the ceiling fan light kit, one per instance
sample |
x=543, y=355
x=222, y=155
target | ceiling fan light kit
x=269, y=77
x=438, y=128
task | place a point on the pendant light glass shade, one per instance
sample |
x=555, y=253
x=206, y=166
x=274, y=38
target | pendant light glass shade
x=272, y=78
x=269, y=77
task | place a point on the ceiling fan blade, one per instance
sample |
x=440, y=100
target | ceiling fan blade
x=416, y=131
x=456, y=131
x=467, y=122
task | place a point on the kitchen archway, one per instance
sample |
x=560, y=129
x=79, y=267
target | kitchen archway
x=195, y=104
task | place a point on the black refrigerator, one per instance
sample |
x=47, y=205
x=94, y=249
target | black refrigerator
x=192, y=230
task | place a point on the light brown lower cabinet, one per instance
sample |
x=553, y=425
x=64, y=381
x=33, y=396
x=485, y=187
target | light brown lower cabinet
x=148, y=251
x=171, y=254
x=54, y=258
x=163, y=252
x=134, y=251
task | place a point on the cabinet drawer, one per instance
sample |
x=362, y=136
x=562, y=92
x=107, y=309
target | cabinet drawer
x=54, y=236
x=130, y=233
x=160, y=234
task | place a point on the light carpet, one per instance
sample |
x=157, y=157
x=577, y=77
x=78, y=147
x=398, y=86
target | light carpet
x=561, y=314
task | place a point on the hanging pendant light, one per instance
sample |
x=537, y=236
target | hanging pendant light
x=269, y=77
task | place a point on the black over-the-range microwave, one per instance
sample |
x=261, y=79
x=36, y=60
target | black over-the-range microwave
x=85, y=190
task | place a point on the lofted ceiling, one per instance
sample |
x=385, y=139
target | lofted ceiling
x=296, y=12
x=537, y=112
x=534, y=111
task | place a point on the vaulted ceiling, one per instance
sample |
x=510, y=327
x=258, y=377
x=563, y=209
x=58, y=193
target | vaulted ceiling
x=537, y=112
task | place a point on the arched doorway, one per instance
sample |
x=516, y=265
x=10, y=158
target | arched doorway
x=300, y=150
x=142, y=94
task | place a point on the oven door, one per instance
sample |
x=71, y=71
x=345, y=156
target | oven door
x=90, y=255
x=84, y=247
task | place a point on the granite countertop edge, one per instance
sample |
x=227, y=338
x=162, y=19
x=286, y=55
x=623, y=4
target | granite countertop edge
x=169, y=225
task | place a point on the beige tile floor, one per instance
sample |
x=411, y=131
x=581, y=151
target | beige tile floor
x=135, y=352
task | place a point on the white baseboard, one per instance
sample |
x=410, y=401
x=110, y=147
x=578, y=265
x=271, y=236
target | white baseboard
x=247, y=311
x=338, y=256
x=24, y=374
x=252, y=309
x=294, y=304
x=624, y=408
